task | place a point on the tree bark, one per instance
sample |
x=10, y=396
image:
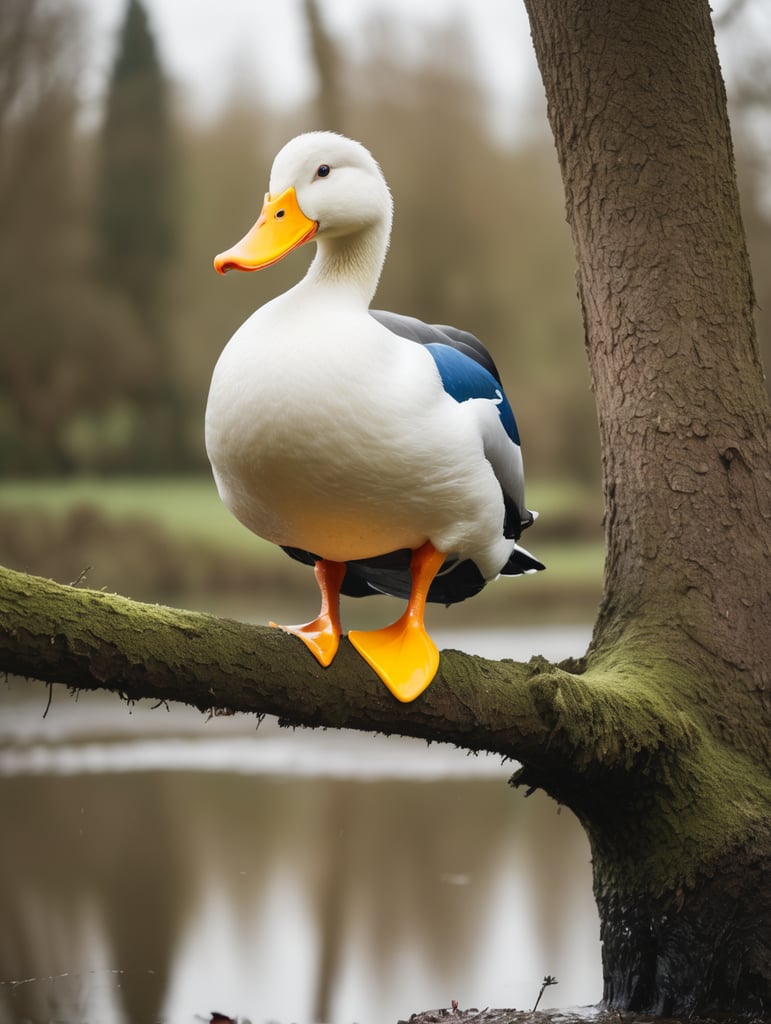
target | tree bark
x=637, y=108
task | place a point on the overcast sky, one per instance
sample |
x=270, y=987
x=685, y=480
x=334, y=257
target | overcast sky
x=203, y=44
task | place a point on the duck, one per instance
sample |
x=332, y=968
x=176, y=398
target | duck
x=377, y=449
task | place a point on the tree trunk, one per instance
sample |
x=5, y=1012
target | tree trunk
x=326, y=64
x=637, y=108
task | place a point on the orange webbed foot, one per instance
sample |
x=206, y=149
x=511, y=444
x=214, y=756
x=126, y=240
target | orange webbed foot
x=322, y=635
x=403, y=654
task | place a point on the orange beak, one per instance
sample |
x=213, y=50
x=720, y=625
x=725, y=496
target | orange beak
x=280, y=228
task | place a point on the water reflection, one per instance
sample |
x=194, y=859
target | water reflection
x=386, y=879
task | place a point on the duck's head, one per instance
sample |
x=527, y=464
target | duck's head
x=323, y=186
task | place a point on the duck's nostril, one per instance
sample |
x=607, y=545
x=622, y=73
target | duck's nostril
x=279, y=214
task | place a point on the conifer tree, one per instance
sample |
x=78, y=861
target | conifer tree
x=137, y=225
x=135, y=215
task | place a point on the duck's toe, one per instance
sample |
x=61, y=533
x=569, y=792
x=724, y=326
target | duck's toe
x=321, y=637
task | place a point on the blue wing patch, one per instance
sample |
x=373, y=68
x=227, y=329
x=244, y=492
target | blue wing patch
x=463, y=378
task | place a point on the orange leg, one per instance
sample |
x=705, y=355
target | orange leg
x=403, y=654
x=322, y=636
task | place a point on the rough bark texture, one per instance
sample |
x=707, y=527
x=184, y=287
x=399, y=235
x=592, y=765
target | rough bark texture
x=659, y=739
x=637, y=108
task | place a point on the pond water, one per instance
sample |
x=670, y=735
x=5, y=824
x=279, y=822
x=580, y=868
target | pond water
x=156, y=865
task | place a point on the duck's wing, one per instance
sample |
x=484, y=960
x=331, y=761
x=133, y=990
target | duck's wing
x=468, y=371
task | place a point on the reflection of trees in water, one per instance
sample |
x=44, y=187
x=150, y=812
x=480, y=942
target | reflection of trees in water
x=552, y=864
x=92, y=879
x=394, y=876
x=394, y=866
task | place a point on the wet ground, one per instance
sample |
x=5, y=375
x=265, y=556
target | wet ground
x=573, y=1015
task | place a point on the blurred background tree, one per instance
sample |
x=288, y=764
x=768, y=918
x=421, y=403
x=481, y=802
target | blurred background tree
x=135, y=207
x=136, y=224
x=63, y=341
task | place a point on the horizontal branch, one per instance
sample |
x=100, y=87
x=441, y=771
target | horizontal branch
x=536, y=713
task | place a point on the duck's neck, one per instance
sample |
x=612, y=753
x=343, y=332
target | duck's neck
x=350, y=265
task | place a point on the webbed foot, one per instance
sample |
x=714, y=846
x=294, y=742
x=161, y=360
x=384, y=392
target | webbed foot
x=322, y=635
x=403, y=654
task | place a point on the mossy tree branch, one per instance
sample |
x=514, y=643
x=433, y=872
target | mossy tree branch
x=537, y=713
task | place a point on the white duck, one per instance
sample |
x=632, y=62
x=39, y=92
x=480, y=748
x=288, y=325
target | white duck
x=373, y=446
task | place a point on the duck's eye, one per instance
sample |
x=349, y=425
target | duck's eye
x=323, y=171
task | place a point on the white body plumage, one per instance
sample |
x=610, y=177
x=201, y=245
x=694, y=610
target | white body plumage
x=327, y=432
